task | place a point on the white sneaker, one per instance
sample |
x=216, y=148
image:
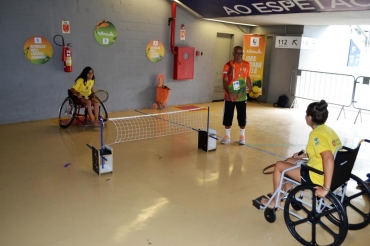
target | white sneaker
x=242, y=140
x=225, y=140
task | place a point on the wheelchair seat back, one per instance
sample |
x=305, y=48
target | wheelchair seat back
x=344, y=160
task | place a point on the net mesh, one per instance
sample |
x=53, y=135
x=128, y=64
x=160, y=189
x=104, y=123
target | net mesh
x=157, y=125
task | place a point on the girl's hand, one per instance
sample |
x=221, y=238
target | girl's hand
x=321, y=192
x=301, y=154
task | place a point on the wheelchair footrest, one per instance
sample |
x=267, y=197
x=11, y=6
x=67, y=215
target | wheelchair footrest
x=257, y=202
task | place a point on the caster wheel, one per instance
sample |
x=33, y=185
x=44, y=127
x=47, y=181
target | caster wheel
x=270, y=215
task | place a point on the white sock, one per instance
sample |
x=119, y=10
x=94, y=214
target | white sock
x=242, y=132
x=228, y=132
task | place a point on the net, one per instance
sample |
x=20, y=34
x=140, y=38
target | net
x=157, y=125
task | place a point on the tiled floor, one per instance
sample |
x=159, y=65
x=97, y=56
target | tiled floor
x=163, y=191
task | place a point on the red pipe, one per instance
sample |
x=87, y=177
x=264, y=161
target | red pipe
x=173, y=27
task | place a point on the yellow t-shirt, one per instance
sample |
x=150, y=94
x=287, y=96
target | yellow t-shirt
x=84, y=90
x=321, y=139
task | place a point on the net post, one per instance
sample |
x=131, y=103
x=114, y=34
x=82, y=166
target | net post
x=208, y=120
x=101, y=141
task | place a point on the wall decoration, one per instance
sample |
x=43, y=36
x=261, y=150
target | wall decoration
x=38, y=50
x=155, y=51
x=105, y=33
x=254, y=52
x=66, y=28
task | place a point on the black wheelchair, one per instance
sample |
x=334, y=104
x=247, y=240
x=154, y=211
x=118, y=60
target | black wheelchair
x=323, y=221
x=74, y=112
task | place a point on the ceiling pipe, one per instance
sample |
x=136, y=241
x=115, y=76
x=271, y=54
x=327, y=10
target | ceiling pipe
x=172, y=21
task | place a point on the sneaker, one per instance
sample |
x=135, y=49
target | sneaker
x=225, y=140
x=242, y=140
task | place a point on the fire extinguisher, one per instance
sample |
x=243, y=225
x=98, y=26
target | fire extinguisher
x=66, y=54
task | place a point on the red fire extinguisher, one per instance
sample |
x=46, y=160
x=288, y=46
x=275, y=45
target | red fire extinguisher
x=66, y=54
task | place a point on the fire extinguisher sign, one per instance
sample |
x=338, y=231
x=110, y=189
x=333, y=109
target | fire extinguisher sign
x=66, y=27
x=38, y=50
x=182, y=34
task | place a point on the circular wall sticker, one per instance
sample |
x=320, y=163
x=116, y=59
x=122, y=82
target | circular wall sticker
x=155, y=51
x=105, y=33
x=38, y=50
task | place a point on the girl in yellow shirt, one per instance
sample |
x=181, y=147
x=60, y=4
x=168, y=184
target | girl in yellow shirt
x=320, y=149
x=83, y=88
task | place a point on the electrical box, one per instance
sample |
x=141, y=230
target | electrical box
x=184, y=63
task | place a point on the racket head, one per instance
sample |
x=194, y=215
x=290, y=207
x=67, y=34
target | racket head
x=269, y=169
x=101, y=95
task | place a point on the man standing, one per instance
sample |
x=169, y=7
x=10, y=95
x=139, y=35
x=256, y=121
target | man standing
x=235, y=80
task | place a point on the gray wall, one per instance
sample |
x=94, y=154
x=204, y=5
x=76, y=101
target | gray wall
x=33, y=92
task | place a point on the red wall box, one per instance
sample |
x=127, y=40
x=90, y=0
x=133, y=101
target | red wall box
x=183, y=63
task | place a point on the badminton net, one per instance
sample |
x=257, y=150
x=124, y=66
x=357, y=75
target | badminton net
x=157, y=125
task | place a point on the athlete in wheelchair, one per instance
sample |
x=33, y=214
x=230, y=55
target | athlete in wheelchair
x=322, y=198
x=81, y=96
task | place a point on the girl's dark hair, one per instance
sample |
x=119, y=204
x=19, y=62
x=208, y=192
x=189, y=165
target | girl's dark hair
x=84, y=73
x=318, y=111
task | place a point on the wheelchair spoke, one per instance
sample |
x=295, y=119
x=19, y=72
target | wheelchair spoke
x=327, y=229
x=357, y=210
x=356, y=195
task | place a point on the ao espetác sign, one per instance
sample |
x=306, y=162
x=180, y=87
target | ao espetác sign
x=228, y=8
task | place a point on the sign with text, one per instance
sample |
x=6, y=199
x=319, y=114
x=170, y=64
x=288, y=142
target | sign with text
x=288, y=42
x=229, y=8
x=295, y=42
x=105, y=33
x=155, y=51
x=254, y=52
x=38, y=50
x=308, y=43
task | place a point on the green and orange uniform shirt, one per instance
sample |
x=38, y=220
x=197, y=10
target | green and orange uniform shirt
x=321, y=139
x=237, y=74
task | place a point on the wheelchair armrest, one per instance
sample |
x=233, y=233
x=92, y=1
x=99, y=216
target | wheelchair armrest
x=70, y=93
x=312, y=169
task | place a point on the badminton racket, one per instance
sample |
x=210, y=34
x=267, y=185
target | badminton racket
x=269, y=170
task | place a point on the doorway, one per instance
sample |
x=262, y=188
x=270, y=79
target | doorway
x=224, y=46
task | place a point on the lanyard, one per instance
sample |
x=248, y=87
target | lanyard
x=240, y=71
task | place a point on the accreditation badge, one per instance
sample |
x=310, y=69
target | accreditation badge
x=236, y=85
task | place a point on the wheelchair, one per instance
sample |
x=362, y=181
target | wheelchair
x=73, y=111
x=322, y=221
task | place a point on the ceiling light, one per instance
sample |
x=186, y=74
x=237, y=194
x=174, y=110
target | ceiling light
x=229, y=22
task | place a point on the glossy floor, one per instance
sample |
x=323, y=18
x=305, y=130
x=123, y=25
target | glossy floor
x=163, y=191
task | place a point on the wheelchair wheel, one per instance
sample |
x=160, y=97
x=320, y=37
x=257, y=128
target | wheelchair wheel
x=310, y=225
x=67, y=112
x=102, y=112
x=356, y=201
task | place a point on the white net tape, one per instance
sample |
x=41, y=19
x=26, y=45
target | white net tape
x=157, y=125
